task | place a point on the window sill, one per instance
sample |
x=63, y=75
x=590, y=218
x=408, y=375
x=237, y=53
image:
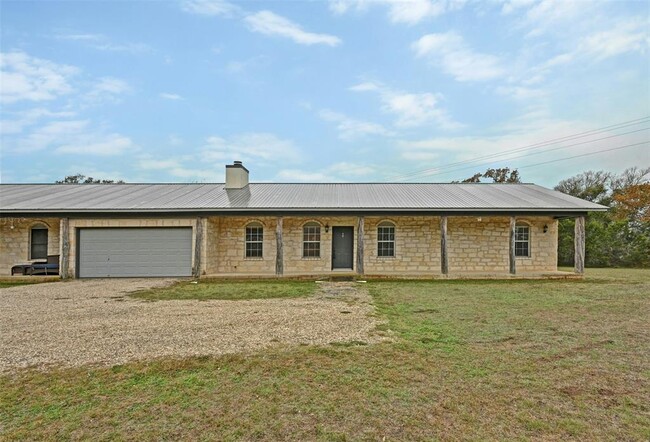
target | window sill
x=386, y=257
x=311, y=258
x=253, y=258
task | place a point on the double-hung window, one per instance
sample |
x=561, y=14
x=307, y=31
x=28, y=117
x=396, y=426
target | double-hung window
x=254, y=240
x=522, y=241
x=386, y=239
x=311, y=240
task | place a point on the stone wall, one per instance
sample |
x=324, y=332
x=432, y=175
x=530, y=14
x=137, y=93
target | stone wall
x=226, y=247
x=478, y=244
x=543, y=246
x=15, y=240
x=475, y=244
x=481, y=245
x=417, y=246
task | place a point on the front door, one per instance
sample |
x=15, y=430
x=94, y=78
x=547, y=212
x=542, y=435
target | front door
x=342, y=245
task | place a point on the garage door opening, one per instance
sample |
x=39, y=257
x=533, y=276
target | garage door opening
x=134, y=252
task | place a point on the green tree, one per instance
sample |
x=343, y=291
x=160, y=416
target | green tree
x=619, y=237
x=83, y=179
x=501, y=175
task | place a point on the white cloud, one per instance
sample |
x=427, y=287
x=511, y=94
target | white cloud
x=549, y=16
x=349, y=128
x=400, y=11
x=111, y=85
x=72, y=137
x=450, y=51
x=148, y=162
x=351, y=169
x=364, y=87
x=102, y=43
x=261, y=148
x=335, y=173
x=24, y=119
x=170, y=96
x=296, y=175
x=631, y=36
x=269, y=23
x=210, y=7
x=97, y=144
x=26, y=78
x=521, y=92
x=107, y=89
x=410, y=109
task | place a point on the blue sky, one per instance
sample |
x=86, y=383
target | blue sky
x=355, y=91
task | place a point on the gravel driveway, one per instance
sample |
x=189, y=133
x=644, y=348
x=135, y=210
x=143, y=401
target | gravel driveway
x=94, y=322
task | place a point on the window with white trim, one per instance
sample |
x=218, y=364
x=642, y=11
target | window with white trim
x=522, y=241
x=386, y=239
x=311, y=240
x=38, y=242
x=254, y=240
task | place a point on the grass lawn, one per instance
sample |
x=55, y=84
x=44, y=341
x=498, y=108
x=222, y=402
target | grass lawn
x=232, y=290
x=472, y=360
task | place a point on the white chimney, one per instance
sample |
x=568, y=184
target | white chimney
x=236, y=175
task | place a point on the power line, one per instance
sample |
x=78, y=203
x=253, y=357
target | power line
x=585, y=154
x=529, y=147
x=534, y=153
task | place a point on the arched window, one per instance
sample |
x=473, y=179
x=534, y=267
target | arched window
x=311, y=240
x=38, y=242
x=386, y=239
x=254, y=240
x=522, y=240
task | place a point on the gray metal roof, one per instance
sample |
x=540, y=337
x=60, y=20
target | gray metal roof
x=134, y=198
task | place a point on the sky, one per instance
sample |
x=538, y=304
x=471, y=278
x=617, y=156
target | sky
x=322, y=91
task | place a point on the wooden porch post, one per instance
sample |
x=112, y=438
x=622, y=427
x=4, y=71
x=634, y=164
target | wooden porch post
x=64, y=261
x=198, y=247
x=444, y=259
x=360, y=235
x=513, y=263
x=579, y=244
x=279, y=252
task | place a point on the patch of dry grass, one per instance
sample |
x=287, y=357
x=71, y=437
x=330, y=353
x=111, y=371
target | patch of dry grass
x=24, y=280
x=526, y=360
x=205, y=289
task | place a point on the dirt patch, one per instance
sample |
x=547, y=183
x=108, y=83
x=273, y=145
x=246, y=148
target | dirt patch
x=94, y=322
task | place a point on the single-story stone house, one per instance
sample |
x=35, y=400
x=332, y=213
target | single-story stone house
x=267, y=230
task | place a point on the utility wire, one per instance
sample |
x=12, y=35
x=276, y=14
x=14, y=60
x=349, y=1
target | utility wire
x=529, y=147
x=586, y=154
x=530, y=154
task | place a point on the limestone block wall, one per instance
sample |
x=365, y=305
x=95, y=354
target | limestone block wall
x=543, y=246
x=417, y=246
x=481, y=244
x=478, y=244
x=294, y=263
x=15, y=240
x=227, y=247
x=473, y=246
x=127, y=222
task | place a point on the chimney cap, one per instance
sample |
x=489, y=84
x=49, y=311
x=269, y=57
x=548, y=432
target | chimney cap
x=237, y=164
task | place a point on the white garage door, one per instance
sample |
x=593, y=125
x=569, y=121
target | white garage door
x=130, y=252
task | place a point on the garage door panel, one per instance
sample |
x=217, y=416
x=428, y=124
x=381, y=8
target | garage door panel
x=119, y=252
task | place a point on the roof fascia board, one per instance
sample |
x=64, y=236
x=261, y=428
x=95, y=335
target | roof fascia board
x=185, y=213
